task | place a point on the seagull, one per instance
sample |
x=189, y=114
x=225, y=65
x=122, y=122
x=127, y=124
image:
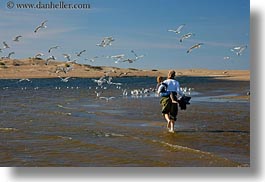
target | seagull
x=129, y=60
x=100, y=81
x=79, y=54
x=98, y=93
x=64, y=79
x=42, y=25
x=37, y=56
x=106, y=42
x=91, y=59
x=49, y=59
x=9, y=55
x=226, y=57
x=136, y=56
x=5, y=45
x=67, y=56
x=55, y=47
x=177, y=31
x=16, y=39
x=64, y=69
x=239, y=49
x=107, y=98
x=24, y=79
x=186, y=36
x=194, y=47
x=126, y=73
x=116, y=57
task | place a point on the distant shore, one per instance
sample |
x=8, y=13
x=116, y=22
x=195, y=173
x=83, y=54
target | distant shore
x=36, y=68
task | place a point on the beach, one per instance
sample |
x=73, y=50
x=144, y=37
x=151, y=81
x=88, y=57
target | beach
x=36, y=68
x=46, y=122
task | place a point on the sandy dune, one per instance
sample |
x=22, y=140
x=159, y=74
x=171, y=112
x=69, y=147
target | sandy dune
x=36, y=68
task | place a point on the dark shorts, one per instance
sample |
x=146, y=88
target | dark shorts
x=169, y=108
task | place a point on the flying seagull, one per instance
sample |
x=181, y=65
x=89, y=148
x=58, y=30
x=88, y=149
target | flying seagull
x=116, y=57
x=49, y=59
x=136, y=56
x=129, y=60
x=92, y=59
x=55, y=47
x=37, y=56
x=67, y=56
x=6, y=46
x=9, y=55
x=177, y=31
x=42, y=25
x=106, y=42
x=16, y=39
x=79, y=54
x=239, y=49
x=194, y=47
x=186, y=36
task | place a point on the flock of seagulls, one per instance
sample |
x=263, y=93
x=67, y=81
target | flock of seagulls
x=120, y=58
x=238, y=50
x=185, y=36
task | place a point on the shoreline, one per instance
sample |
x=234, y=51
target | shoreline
x=36, y=68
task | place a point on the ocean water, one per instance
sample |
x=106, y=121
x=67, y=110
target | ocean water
x=46, y=122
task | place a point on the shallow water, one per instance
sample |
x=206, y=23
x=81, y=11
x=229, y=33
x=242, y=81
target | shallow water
x=50, y=123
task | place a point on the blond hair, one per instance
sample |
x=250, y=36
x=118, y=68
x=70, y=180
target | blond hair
x=159, y=79
x=171, y=74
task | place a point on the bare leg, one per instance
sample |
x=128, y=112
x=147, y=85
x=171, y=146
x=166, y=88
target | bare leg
x=168, y=120
x=172, y=125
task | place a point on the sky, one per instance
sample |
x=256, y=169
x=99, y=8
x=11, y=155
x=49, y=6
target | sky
x=139, y=25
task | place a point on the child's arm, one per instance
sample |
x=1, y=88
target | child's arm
x=164, y=94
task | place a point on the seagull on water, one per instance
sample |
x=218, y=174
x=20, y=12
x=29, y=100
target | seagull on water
x=178, y=30
x=107, y=98
x=194, y=47
x=186, y=36
x=16, y=39
x=55, y=47
x=24, y=79
x=64, y=79
x=42, y=25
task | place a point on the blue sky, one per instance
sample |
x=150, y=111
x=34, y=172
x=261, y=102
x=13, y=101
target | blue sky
x=139, y=25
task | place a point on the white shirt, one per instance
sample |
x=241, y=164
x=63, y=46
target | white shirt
x=172, y=86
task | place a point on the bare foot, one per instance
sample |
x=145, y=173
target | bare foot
x=171, y=131
x=168, y=125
